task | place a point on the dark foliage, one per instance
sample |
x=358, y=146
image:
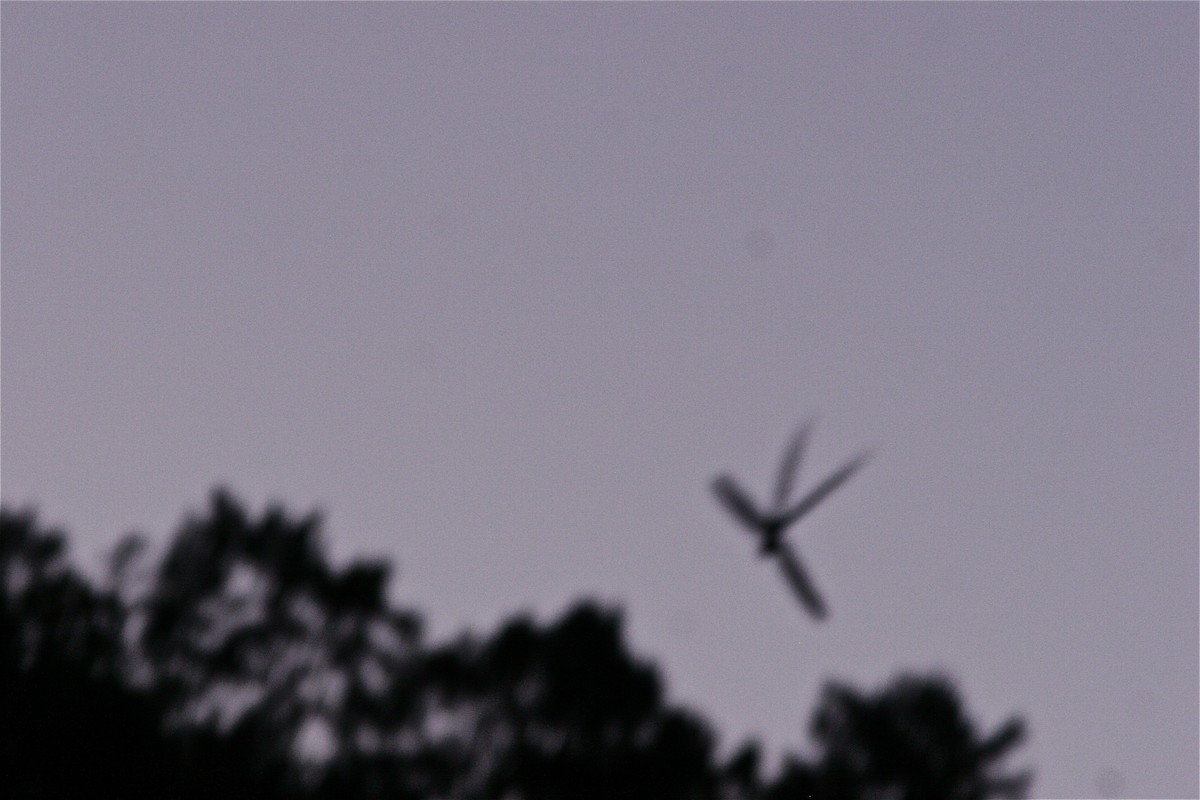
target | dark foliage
x=245, y=665
x=72, y=724
x=565, y=711
x=910, y=741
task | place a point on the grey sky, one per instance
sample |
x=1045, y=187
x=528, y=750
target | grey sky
x=501, y=287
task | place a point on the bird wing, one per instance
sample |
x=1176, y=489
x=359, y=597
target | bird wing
x=825, y=488
x=801, y=584
x=737, y=503
x=789, y=467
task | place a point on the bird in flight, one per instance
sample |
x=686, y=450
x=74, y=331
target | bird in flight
x=770, y=525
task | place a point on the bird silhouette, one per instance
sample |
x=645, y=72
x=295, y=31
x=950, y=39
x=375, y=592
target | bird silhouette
x=771, y=525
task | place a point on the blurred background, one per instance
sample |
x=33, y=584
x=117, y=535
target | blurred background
x=501, y=288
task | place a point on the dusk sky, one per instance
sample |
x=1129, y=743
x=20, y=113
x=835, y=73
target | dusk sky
x=501, y=288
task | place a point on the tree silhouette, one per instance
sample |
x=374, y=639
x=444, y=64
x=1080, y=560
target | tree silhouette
x=246, y=665
x=911, y=740
x=566, y=711
x=71, y=725
x=248, y=625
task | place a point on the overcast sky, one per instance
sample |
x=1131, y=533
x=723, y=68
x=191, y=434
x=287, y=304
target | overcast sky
x=501, y=287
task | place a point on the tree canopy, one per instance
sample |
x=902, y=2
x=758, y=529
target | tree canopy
x=243, y=664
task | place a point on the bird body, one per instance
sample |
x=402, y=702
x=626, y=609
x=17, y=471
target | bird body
x=770, y=526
